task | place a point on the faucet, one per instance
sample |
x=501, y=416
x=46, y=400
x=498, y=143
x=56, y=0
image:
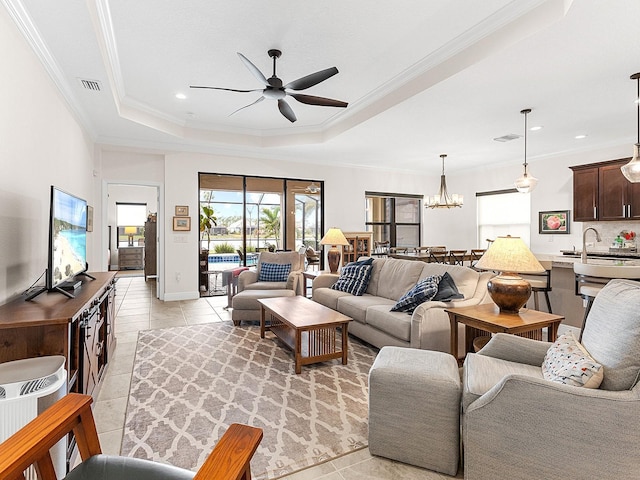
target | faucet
x=583, y=256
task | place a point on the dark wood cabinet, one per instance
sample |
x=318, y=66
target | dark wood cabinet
x=585, y=194
x=81, y=329
x=601, y=192
x=150, y=255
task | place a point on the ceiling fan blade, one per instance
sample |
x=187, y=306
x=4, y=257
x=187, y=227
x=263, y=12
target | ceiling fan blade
x=322, y=101
x=252, y=103
x=253, y=69
x=285, y=110
x=227, y=89
x=312, y=79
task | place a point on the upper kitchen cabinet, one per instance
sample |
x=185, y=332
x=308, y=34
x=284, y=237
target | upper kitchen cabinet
x=601, y=192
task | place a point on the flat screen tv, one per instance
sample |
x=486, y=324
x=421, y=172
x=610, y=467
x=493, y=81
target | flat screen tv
x=67, y=255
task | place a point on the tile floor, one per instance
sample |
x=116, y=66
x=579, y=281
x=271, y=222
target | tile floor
x=137, y=308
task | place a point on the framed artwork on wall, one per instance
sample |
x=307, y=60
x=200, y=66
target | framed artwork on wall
x=182, y=224
x=89, y=218
x=554, y=221
x=182, y=210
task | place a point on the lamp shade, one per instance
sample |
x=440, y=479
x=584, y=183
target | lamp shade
x=130, y=230
x=509, y=254
x=334, y=236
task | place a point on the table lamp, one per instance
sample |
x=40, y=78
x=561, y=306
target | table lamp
x=334, y=237
x=131, y=231
x=510, y=256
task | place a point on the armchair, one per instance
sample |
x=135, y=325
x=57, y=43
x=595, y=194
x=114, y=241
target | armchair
x=518, y=425
x=229, y=460
x=249, y=280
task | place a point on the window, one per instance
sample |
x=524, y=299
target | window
x=503, y=212
x=393, y=217
x=130, y=218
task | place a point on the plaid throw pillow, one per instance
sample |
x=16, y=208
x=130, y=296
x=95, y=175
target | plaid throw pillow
x=354, y=277
x=423, y=291
x=274, y=272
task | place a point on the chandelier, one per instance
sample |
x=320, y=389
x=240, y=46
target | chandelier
x=442, y=199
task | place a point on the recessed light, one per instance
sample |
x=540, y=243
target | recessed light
x=536, y=128
x=181, y=96
x=580, y=137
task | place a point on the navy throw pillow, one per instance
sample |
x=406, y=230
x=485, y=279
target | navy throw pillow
x=354, y=277
x=274, y=272
x=447, y=290
x=423, y=291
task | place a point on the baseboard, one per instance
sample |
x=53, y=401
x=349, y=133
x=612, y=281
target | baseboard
x=177, y=296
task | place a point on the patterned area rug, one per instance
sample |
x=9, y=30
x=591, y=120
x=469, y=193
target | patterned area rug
x=190, y=383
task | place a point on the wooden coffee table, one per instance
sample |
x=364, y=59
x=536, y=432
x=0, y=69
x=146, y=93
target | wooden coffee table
x=306, y=327
x=486, y=319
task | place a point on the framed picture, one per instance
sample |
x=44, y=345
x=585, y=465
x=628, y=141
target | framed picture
x=554, y=221
x=89, y=218
x=182, y=224
x=182, y=210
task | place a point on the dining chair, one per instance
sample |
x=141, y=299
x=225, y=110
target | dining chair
x=476, y=254
x=438, y=256
x=456, y=257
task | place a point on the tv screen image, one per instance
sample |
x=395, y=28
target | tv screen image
x=68, y=237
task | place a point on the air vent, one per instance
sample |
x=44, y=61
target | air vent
x=93, y=85
x=507, y=138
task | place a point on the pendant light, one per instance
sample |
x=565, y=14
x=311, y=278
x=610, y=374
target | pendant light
x=442, y=199
x=632, y=169
x=526, y=183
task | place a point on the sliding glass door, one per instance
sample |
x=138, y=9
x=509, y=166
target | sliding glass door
x=259, y=213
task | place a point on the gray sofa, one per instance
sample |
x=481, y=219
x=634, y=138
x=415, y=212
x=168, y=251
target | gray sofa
x=427, y=328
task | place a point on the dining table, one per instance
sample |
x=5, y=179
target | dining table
x=424, y=256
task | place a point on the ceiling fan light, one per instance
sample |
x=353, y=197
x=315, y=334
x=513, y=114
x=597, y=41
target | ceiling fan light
x=631, y=170
x=526, y=183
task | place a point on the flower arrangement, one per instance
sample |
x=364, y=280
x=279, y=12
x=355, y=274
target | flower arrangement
x=628, y=235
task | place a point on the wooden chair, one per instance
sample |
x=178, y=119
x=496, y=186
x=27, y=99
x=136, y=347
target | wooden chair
x=438, y=256
x=456, y=257
x=476, y=253
x=30, y=445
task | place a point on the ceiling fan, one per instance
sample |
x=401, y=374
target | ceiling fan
x=275, y=90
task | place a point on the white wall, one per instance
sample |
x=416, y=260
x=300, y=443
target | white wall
x=344, y=202
x=456, y=228
x=40, y=144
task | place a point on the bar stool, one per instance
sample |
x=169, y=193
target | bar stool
x=591, y=278
x=541, y=283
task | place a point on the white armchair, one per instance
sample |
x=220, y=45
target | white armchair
x=518, y=425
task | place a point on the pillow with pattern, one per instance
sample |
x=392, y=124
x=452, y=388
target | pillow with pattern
x=568, y=362
x=274, y=272
x=423, y=291
x=354, y=277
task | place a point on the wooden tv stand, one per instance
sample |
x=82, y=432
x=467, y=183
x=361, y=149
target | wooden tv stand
x=81, y=329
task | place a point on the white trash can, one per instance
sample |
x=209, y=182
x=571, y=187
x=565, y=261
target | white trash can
x=27, y=388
